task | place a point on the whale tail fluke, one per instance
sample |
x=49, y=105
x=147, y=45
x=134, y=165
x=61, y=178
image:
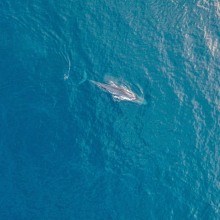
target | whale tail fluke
x=84, y=78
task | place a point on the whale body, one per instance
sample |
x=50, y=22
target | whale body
x=118, y=92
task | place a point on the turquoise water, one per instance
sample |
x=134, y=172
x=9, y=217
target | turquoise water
x=72, y=152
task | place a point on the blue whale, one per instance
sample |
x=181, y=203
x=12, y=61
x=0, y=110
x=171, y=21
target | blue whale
x=119, y=92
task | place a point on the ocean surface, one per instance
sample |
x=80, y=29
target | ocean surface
x=70, y=151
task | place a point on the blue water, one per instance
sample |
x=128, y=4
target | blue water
x=72, y=152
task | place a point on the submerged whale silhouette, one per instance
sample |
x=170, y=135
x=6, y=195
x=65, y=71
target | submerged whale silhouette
x=119, y=93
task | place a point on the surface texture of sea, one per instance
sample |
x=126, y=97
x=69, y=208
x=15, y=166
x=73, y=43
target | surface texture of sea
x=70, y=151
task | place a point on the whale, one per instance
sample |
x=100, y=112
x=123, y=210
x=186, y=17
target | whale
x=118, y=92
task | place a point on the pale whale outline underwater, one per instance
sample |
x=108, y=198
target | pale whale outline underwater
x=119, y=92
